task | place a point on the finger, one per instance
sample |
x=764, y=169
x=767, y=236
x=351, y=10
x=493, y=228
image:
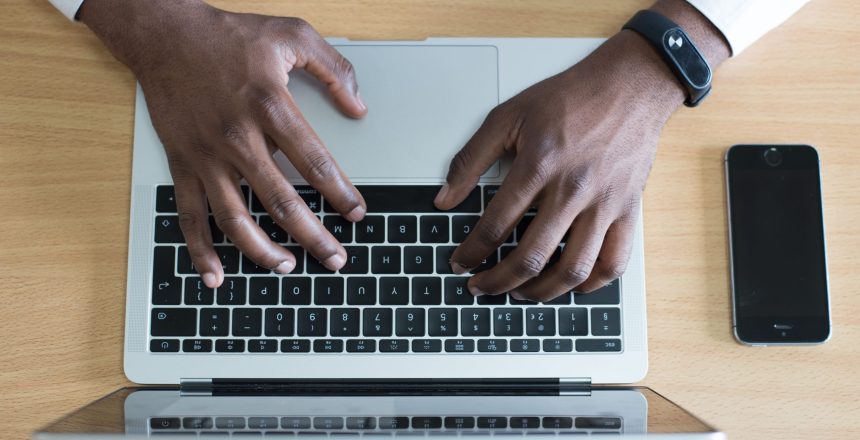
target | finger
x=292, y=214
x=485, y=147
x=194, y=222
x=534, y=250
x=285, y=125
x=501, y=216
x=325, y=63
x=231, y=216
x=614, y=255
x=577, y=260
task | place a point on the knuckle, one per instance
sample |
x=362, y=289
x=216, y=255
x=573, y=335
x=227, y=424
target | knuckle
x=575, y=274
x=319, y=167
x=612, y=270
x=578, y=181
x=231, y=222
x=270, y=107
x=460, y=162
x=489, y=234
x=345, y=68
x=530, y=265
x=299, y=26
x=233, y=134
x=285, y=210
x=190, y=222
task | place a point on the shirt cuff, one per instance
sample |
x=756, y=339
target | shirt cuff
x=69, y=8
x=743, y=22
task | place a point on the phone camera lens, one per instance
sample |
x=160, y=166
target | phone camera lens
x=772, y=157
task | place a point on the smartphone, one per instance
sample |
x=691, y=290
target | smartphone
x=776, y=245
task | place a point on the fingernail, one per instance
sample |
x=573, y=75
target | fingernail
x=476, y=291
x=210, y=279
x=285, y=267
x=516, y=295
x=356, y=214
x=360, y=102
x=442, y=194
x=458, y=268
x=334, y=262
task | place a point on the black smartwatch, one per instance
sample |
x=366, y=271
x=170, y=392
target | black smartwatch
x=679, y=52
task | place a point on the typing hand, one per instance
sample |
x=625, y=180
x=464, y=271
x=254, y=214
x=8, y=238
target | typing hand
x=216, y=86
x=584, y=141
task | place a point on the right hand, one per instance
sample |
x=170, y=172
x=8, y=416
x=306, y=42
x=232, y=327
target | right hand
x=216, y=87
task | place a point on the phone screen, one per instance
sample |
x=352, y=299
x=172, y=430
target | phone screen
x=779, y=270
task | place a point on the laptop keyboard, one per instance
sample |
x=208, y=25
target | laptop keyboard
x=396, y=293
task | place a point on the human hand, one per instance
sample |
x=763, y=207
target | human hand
x=216, y=86
x=584, y=141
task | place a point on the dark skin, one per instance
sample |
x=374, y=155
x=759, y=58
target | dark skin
x=583, y=140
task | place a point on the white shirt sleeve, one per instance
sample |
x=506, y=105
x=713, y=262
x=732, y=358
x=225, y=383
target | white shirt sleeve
x=69, y=8
x=743, y=22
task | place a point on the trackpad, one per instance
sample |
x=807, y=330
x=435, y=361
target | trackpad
x=424, y=103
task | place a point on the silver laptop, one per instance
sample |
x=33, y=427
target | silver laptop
x=398, y=321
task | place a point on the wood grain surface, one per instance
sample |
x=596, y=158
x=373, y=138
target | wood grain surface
x=66, y=112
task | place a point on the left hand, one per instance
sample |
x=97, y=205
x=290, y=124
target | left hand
x=584, y=142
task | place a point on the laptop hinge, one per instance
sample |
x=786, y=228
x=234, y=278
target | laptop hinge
x=568, y=386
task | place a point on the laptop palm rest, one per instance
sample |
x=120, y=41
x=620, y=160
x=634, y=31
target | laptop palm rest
x=424, y=103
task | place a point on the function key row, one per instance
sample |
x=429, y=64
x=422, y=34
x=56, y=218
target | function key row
x=386, y=345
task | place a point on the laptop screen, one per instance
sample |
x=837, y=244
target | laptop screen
x=163, y=413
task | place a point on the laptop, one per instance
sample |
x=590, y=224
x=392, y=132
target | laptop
x=380, y=339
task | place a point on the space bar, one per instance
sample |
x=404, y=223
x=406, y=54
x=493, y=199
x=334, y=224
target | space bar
x=409, y=199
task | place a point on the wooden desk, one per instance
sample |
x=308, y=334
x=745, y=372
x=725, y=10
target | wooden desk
x=65, y=154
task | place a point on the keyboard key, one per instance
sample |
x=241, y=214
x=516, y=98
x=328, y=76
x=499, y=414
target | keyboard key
x=214, y=322
x=249, y=267
x=314, y=266
x=328, y=346
x=563, y=299
x=377, y=322
x=442, y=322
x=166, y=286
x=164, y=345
x=173, y=322
x=165, y=423
x=522, y=226
x=247, y=321
x=557, y=345
x=361, y=423
x=418, y=259
x=525, y=345
x=573, y=321
x=264, y=291
x=196, y=293
x=540, y=321
x=426, y=422
x=609, y=294
x=587, y=345
x=493, y=422
x=165, y=199
x=434, y=229
x=492, y=345
x=280, y=322
x=356, y=260
x=461, y=226
x=508, y=321
x=273, y=230
x=475, y=322
x=525, y=422
x=296, y=291
x=295, y=346
x=361, y=291
x=197, y=423
x=443, y=259
x=339, y=227
x=262, y=422
x=598, y=423
x=456, y=292
x=492, y=300
x=299, y=253
x=402, y=229
x=345, y=322
x=457, y=422
x=488, y=263
x=489, y=192
x=410, y=199
x=385, y=260
x=426, y=291
x=230, y=346
x=605, y=321
x=394, y=291
x=557, y=422
x=311, y=197
x=426, y=345
x=409, y=322
x=167, y=229
x=393, y=345
x=394, y=423
x=361, y=346
x=197, y=345
x=295, y=422
x=459, y=345
x=311, y=322
x=328, y=291
x=370, y=230
x=263, y=345
x=184, y=265
x=232, y=291
x=328, y=422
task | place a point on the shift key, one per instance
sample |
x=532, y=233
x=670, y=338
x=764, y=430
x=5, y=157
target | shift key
x=173, y=322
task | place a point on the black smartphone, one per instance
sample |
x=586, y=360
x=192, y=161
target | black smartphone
x=776, y=245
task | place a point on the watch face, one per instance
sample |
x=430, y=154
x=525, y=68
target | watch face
x=689, y=61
